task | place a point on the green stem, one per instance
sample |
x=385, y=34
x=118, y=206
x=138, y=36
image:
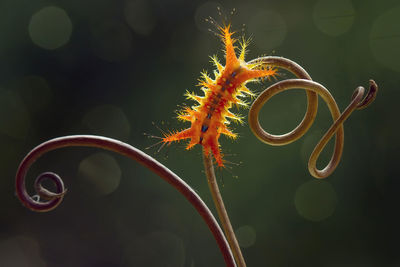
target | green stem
x=222, y=214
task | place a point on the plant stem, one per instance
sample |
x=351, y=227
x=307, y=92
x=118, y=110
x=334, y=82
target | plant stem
x=222, y=214
x=55, y=198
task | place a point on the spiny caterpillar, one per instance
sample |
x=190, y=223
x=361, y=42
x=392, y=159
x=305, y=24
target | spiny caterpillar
x=209, y=119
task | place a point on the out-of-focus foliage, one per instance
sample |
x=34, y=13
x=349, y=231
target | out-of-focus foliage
x=114, y=67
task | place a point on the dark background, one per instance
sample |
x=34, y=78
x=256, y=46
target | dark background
x=113, y=68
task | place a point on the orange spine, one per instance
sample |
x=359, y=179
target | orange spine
x=209, y=119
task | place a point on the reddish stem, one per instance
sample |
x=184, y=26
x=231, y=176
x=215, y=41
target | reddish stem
x=54, y=199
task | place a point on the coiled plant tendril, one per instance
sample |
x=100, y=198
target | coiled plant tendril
x=312, y=88
x=53, y=199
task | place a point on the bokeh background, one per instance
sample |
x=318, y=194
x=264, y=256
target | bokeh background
x=120, y=68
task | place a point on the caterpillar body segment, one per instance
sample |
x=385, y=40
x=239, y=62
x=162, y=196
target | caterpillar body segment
x=210, y=117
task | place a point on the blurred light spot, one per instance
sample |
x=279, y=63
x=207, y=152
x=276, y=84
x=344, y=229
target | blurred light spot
x=203, y=12
x=102, y=171
x=246, y=236
x=112, y=41
x=315, y=200
x=269, y=29
x=109, y=121
x=20, y=251
x=333, y=17
x=14, y=117
x=156, y=249
x=385, y=39
x=50, y=27
x=35, y=92
x=139, y=16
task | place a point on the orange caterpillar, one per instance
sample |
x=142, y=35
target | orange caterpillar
x=209, y=119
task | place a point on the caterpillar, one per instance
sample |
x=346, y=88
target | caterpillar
x=211, y=116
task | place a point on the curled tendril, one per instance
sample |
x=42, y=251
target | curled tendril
x=53, y=199
x=312, y=88
x=46, y=194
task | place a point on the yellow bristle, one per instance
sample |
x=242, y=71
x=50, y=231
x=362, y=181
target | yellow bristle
x=215, y=60
x=246, y=90
x=255, y=66
x=205, y=91
x=243, y=45
x=184, y=117
x=227, y=132
x=193, y=96
x=240, y=102
x=234, y=117
x=216, y=74
x=207, y=78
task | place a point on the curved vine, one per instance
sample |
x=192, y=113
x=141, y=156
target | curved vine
x=55, y=198
x=312, y=88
